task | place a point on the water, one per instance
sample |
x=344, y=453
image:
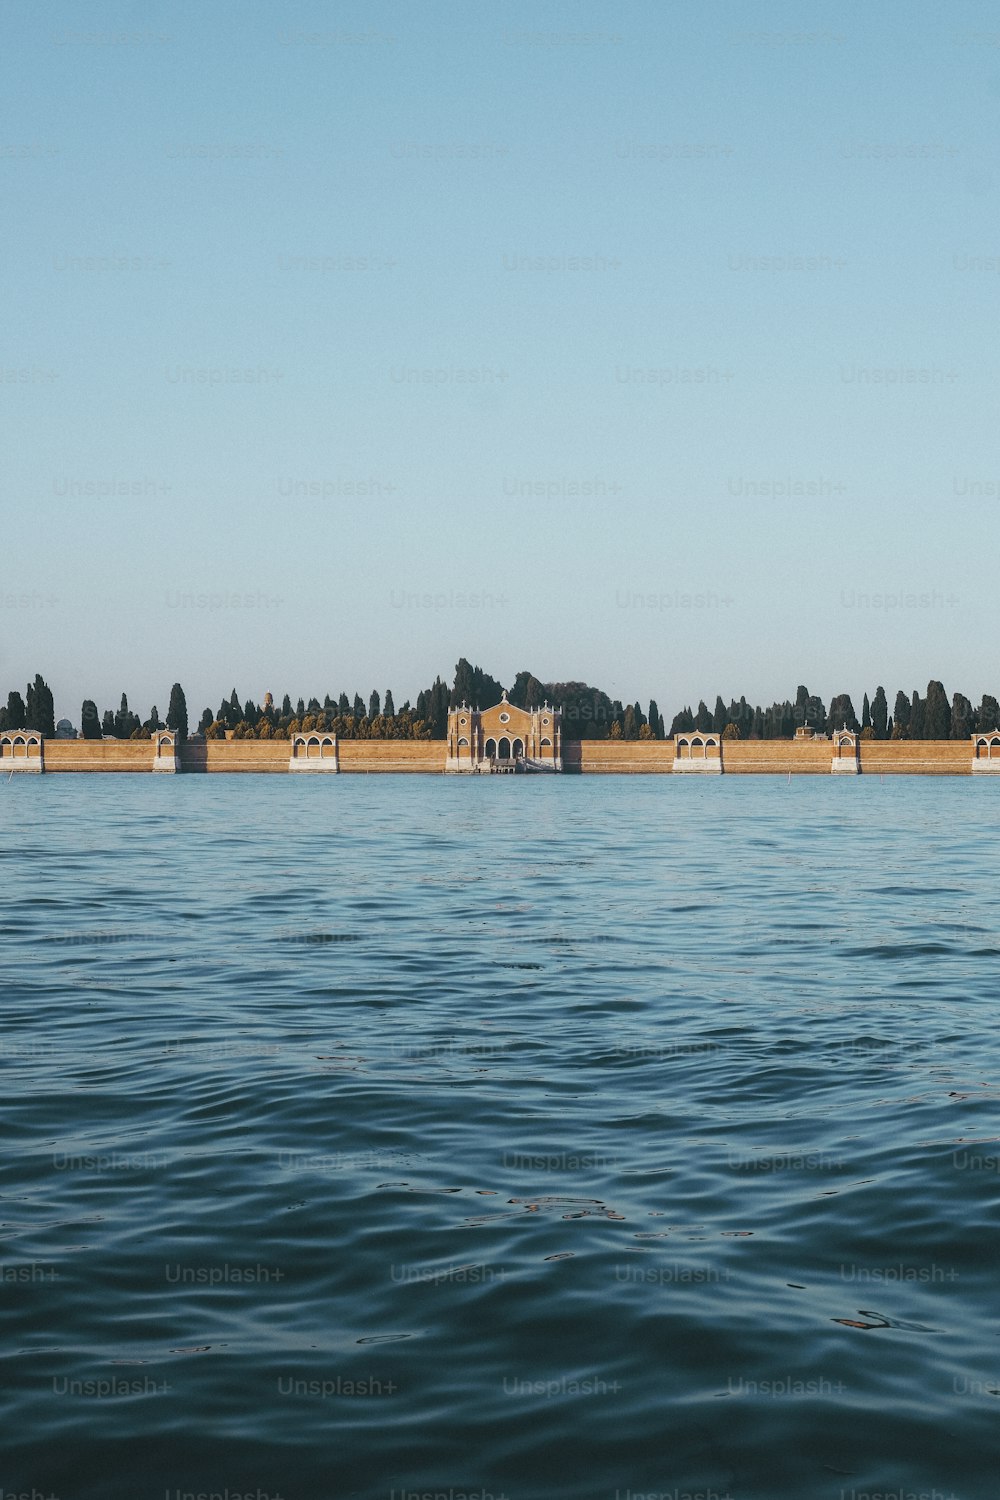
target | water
x=540, y=1138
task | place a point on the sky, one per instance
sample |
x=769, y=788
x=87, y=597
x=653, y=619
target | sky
x=650, y=344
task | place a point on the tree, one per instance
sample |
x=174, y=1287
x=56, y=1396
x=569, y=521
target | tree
x=721, y=717
x=205, y=721
x=963, y=717
x=90, y=720
x=937, y=713
x=866, y=715
x=389, y=708
x=474, y=686
x=880, y=714
x=630, y=729
x=917, y=707
x=17, y=714
x=527, y=691
x=39, y=711
x=359, y=707
x=654, y=720
x=153, y=723
x=123, y=727
x=901, y=716
x=374, y=705
x=177, y=714
x=108, y=725
x=682, y=723
x=987, y=715
x=842, y=713
x=703, y=719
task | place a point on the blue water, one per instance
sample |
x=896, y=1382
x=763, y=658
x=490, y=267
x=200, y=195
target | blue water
x=538, y=1138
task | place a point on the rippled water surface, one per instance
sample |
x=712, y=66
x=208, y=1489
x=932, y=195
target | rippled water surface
x=541, y=1138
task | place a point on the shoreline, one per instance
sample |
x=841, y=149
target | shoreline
x=819, y=757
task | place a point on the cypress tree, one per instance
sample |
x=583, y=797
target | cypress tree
x=177, y=714
x=205, y=720
x=389, y=708
x=90, y=720
x=937, y=713
x=630, y=729
x=17, y=713
x=866, y=714
x=703, y=718
x=963, y=717
x=359, y=707
x=654, y=720
x=842, y=713
x=987, y=715
x=108, y=725
x=123, y=725
x=374, y=705
x=917, y=707
x=901, y=716
x=720, y=718
x=880, y=714
x=286, y=705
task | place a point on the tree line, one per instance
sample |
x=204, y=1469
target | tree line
x=588, y=713
x=913, y=717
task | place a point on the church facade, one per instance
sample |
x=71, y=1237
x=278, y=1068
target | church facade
x=504, y=738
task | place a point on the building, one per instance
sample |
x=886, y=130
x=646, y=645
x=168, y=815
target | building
x=504, y=738
x=65, y=730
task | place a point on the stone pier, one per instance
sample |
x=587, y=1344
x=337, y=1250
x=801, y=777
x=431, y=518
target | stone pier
x=316, y=751
x=21, y=750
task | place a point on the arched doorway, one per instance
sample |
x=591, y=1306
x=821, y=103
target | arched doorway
x=503, y=749
x=490, y=749
x=518, y=749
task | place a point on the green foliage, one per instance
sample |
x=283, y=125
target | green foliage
x=177, y=714
x=90, y=720
x=39, y=711
x=901, y=716
x=473, y=686
x=937, y=713
x=880, y=714
x=842, y=714
x=963, y=717
x=987, y=715
x=17, y=714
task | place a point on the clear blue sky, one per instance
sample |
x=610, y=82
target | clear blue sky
x=477, y=258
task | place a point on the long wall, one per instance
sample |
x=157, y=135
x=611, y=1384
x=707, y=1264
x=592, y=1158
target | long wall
x=97, y=755
x=586, y=757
